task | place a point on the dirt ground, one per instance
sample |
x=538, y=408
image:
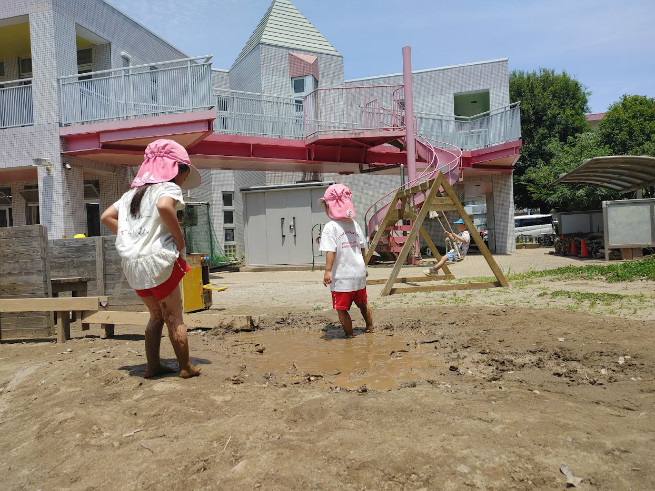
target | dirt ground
x=506, y=388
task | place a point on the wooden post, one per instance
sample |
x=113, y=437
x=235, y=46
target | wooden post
x=63, y=326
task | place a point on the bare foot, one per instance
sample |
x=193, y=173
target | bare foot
x=158, y=370
x=191, y=371
x=369, y=329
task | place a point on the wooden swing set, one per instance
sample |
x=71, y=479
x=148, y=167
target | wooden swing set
x=402, y=207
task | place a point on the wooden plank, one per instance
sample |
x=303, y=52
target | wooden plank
x=454, y=286
x=475, y=235
x=205, y=319
x=50, y=304
x=412, y=279
x=434, y=187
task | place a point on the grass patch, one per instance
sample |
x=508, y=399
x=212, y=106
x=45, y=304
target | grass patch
x=643, y=269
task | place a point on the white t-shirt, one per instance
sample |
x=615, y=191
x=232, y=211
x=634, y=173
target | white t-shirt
x=144, y=243
x=464, y=246
x=345, y=238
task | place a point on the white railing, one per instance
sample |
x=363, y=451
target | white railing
x=355, y=108
x=137, y=91
x=339, y=109
x=16, y=103
x=470, y=133
x=247, y=113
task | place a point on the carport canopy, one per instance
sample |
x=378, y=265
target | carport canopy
x=622, y=173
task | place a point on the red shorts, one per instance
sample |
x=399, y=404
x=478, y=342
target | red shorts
x=180, y=268
x=343, y=300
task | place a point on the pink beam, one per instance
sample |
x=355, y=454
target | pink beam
x=409, y=113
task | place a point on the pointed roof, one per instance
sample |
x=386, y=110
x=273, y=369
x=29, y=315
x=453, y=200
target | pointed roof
x=284, y=25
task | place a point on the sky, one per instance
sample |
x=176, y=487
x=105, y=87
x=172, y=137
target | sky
x=607, y=45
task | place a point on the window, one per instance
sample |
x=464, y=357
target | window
x=32, y=217
x=228, y=200
x=2, y=68
x=25, y=67
x=84, y=56
x=470, y=104
x=228, y=216
x=231, y=251
x=298, y=85
x=6, y=218
x=229, y=235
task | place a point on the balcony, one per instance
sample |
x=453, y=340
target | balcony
x=16, y=103
x=345, y=110
x=251, y=114
x=155, y=89
x=483, y=130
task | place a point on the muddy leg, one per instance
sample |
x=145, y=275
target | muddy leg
x=153, y=339
x=172, y=309
x=346, y=322
x=368, y=317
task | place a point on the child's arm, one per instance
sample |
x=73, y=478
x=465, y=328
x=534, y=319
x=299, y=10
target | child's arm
x=110, y=219
x=166, y=209
x=329, y=262
x=364, y=256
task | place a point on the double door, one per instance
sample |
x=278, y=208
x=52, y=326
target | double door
x=281, y=226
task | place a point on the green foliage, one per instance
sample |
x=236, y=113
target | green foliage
x=643, y=269
x=628, y=128
x=565, y=157
x=553, y=108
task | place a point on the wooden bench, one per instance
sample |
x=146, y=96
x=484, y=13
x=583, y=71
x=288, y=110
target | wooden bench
x=206, y=319
x=61, y=306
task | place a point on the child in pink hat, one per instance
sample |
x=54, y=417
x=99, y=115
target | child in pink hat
x=344, y=244
x=151, y=245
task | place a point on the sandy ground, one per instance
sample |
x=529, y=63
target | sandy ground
x=482, y=389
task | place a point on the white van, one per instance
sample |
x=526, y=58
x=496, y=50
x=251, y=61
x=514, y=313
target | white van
x=533, y=225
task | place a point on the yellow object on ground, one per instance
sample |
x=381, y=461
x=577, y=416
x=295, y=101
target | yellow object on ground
x=194, y=296
x=215, y=288
x=79, y=236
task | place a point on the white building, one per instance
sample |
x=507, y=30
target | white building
x=84, y=88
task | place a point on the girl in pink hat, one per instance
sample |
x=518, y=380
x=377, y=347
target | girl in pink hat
x=343, y=242
x=151, y=245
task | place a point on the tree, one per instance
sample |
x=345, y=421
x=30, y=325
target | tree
x=553, y=108
x=565, y=157
x=628, y=127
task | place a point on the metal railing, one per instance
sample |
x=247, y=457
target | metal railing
x=137, y=91
x=16, y=108
x=339, y=109
x=251, y=114
x=335, y=110
x=469, y=133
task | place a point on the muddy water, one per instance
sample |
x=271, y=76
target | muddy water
x=378, y=361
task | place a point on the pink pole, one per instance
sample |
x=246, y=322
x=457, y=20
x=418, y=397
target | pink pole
x=409, y=113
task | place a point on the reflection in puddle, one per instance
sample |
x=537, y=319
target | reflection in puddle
x=376, y=360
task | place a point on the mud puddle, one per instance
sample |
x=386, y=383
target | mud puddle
x=376, y=360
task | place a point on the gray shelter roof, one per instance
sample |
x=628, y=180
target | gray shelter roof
x=284, y=25
x=623, y=173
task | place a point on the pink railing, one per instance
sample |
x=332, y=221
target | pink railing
x=342, y=109
x=449, y=166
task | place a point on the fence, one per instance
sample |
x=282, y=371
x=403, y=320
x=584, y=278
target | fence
x=338, y=109
x=136, y=91
x=16, y=103
x=250, y=114
x=479, y=131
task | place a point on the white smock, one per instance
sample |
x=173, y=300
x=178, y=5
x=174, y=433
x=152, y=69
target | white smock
x=144, y=243
x=345, y=238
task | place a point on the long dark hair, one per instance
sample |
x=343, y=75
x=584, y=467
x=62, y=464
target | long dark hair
x=135, y=204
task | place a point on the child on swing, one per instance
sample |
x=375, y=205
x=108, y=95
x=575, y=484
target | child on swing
x=461, y=240
x=345, y=270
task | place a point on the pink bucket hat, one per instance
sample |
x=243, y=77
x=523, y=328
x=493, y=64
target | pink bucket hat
x=160, y=165
x=340, y=207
